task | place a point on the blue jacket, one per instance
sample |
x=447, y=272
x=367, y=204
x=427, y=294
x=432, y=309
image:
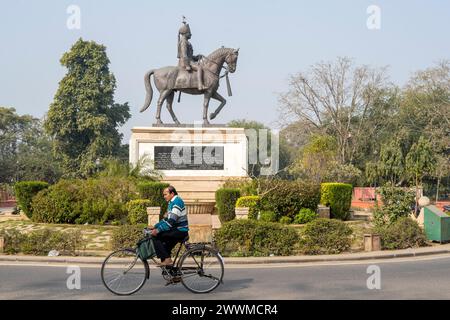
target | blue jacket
x=177, y=217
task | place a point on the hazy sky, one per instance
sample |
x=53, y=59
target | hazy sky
x=276, y=39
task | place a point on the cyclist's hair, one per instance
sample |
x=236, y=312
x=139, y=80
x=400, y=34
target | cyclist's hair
x=172, y=190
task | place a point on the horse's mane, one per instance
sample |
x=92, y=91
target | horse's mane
x=218, y=53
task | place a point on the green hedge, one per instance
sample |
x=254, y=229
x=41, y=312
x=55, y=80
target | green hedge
x=92, y=201
x=252, y=202
x=401, y=234
x=25, y=191
x=337, y=196
x=286, y=198
x=153, y=192
x=247, y=186
x=226, y=202
x=41, y=242
x=137, y=211
x=127, y=236
x=305, y=215
x=246, y=237
x=326, y=236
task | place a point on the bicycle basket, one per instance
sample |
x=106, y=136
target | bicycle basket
x=146, y=249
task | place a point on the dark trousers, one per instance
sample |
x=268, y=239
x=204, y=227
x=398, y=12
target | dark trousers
x=166, y=240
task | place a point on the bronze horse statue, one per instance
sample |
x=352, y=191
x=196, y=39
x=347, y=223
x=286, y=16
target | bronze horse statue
x=169, y=80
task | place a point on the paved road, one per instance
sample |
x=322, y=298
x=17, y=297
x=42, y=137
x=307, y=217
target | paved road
x=424, y=278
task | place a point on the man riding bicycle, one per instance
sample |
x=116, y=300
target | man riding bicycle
x=172, y=229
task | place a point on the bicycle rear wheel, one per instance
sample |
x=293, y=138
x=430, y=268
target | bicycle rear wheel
x=123, y=272
x=201, y=269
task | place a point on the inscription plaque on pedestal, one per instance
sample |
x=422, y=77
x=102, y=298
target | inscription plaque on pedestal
x=189, y=157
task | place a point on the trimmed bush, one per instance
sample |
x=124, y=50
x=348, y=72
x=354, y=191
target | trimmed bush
x=246, y=237
x=305, y=215
x=153, y=192
x=326, y=236
x=13, y=241
x=252, y=202
x=286, y=198
x=137, y=211
x=41, y=242
x=247, y=186
x=268, y=216
x=402, y=234
x=226, y=202
x=25, y=191
x=337, y=196
x=285, y=220
x=127, y=236
x=92, y=201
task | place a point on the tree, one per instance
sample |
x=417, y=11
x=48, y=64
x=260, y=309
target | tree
x=392, y=162
x=334, y=98
x=83, y=117
x=420, y=162
x=254, y=170
x=316, y=158
x=442, y=170
x=25, y=149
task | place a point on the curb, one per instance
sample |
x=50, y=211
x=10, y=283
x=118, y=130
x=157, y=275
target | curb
x=243, y=261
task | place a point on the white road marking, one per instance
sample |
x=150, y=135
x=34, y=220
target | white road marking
x=251, y=266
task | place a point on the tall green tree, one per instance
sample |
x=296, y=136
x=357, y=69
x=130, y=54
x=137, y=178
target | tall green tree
x=420, y=161
x=392, y=162
x=25, y=149
x=83, y=118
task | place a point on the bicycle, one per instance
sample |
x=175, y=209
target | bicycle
x=200, y=268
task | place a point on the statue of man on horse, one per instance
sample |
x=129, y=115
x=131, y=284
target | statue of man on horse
x=194, y=75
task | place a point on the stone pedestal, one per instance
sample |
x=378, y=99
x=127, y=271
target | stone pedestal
x=153, y=215
x=324, y=212
x=241, y=213
x=196, y=160
x=372, y=242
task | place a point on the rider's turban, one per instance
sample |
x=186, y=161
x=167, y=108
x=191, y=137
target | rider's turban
x=184, y=28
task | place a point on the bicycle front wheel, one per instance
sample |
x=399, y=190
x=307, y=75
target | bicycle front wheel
x=123, y=272
x=201, y=269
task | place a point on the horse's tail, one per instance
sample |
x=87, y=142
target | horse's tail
x=148, y=89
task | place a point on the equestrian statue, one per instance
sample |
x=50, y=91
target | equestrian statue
x=195, y=74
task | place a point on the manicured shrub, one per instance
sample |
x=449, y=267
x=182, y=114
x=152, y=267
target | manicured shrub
x=41, y=242
x=60, y=203
x=305, y=215
x=326, y=236
x=252, y=202
x=286, y=198
x=25, y=191
x=153, y=192
x=127, y=236
x=226, y=202
x=13, y=241
x=246, y=237
x=92, y=201
x=397, y=202
x=337, y=196
x=137, y=211
x=285, y=220
x=268, y=216
x=247, y=186
x=402, y=234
